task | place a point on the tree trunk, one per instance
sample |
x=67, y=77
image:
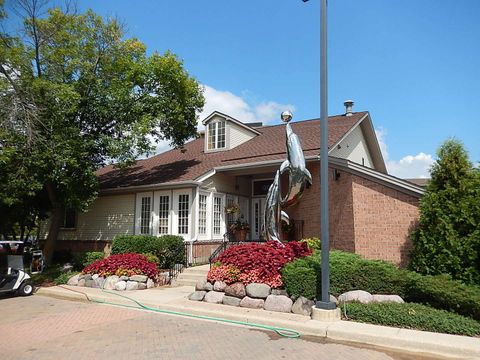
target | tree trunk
x=56, y=219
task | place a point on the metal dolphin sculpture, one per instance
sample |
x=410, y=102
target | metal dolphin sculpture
x=299, y=176
x=273, y=214
x=295, y=165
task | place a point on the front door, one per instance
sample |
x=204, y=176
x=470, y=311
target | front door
x=258, y=207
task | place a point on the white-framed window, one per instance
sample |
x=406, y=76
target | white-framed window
x=202, y=214
x=217, y=214
x=145, y=214
x=163, y=214
x=216, y=135
x=183, y=212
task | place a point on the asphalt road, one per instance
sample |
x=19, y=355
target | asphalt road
x=38, y=327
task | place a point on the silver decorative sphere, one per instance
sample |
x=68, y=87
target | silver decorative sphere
x=286, y=116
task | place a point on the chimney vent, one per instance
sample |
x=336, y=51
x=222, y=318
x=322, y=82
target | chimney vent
x=348, y=107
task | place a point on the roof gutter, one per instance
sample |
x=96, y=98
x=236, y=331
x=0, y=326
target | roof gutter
x=374, y=175
x=160, y=186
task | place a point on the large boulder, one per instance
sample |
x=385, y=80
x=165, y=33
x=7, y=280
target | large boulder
x=387, y=298
x=214, y=297
x=200, y=285
x=236, y=289
x=197, y=295
x=73, y=281
x=121, y=285
x=258, y=290
x=100, y=281
x=81, y=282
x=208, y=286
x=280, y=303
x=248, y=302
x=361, y=296
x=219, y=286
x=142, y=286
x=150, y=284
x=110, y=282
x=303, y=306
x=279, y=292
x=139, y=278
x=91, y=283
x=231, y=300
x=131, y=285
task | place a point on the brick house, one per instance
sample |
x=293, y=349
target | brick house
x=185, y=192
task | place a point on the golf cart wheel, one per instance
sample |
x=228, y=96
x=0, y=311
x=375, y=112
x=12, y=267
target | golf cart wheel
x=25, y=289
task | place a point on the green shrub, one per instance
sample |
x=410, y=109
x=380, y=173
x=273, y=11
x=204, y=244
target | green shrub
x=152, y=258
x=64, y=277
x=92, y=256
x=347, y=272
x=168, y=248
x=313, y=243
x=442, y=292
x=413, y=316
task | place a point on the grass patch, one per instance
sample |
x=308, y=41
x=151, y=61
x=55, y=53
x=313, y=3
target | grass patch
x=412, y=316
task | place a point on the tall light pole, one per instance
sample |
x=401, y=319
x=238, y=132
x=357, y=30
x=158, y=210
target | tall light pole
x=325, y=302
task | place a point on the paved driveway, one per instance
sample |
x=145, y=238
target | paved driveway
x=38, y=328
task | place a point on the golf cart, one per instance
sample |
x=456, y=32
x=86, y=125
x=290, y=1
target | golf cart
x=13, y=278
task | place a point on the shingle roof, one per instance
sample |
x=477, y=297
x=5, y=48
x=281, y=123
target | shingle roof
x=176, y=165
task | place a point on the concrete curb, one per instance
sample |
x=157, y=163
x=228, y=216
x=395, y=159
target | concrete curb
x=405, y=340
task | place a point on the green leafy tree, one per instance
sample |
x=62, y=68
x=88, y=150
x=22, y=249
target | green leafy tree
x=76, y=94
x=447, y=240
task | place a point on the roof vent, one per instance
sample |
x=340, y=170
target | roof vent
x=348, y=107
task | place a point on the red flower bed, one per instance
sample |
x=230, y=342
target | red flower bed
x=227, y=273
x=123, y=264
x=261, y=262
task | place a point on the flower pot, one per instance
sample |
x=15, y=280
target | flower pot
x=240, y=235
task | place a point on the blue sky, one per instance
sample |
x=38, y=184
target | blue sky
x=413, y=64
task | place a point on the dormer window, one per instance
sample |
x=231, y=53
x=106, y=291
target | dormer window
x=216, y=135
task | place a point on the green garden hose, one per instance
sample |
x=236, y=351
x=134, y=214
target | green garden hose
x=288, y=333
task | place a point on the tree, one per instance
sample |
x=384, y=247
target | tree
x=76, y=94
x=448, y=237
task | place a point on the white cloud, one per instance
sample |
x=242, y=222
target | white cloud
x=410, y=166
x=237, y=107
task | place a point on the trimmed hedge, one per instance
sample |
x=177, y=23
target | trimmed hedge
x=350, y=272
x=169, y=249
x=413, y=316
x=442, y=292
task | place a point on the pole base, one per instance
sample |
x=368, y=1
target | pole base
x=325, y=305
x=326, y=315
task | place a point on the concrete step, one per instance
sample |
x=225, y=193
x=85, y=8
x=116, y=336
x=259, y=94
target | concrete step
x=195, y=271
x=180, y=282
x=192, y=276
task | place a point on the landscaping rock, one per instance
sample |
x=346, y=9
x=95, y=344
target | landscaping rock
x=81, y=276
x=200, y=285
x=303, y=306
x=333, y=299
x=214, y=297
x=121, y=285
x=132, y=285
x=124, y=278
x=356, y=295
x=197, y=295
x=258, y=290
x=231, y=300
x=88, y=277
x=100, y=281
x=142, y=286
x=279, y=292
x=90, y=283
x=387, y=298
x=219, y=286
x=248, y=302
x=139, y=278
x=208, y=286
x=81, y=282
x=236, y=289
x=73, y=281
x=95, y=276
x=150, y=284
x=110, y=282
x=279, y=303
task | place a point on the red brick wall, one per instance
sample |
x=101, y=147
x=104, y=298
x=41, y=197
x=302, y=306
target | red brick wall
x=384, y=218
x=365, y=217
